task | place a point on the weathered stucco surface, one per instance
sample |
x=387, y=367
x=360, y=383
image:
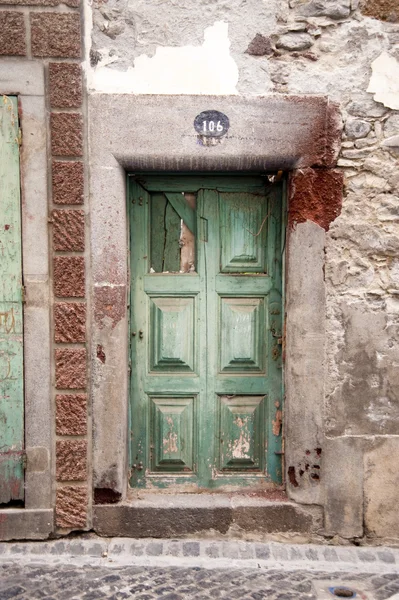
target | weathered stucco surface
x=333, y=48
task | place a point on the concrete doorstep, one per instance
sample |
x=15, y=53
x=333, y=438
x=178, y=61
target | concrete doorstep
x=208, y=554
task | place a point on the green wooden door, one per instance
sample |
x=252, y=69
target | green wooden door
x=11, y=349
x=206, y=317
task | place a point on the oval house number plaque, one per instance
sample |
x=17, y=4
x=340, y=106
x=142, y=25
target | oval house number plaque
x=211, y=123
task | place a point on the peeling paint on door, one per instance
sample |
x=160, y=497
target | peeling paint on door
x=11, y=296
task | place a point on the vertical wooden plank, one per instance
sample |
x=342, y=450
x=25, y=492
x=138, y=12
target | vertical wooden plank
x=276, y=320
x=11, y=331
x=157, y=231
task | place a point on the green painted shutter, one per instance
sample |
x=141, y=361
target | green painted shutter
x=11, y=332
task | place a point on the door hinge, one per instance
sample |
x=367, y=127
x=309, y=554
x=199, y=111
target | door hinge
x=19, y=137
x=23, y=294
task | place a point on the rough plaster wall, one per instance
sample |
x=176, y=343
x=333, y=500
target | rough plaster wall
x=306, y=47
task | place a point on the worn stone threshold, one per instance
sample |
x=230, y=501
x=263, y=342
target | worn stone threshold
x=181, y=515
x=25, y=524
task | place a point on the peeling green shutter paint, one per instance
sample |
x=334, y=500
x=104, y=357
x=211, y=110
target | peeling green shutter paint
x=11, y=297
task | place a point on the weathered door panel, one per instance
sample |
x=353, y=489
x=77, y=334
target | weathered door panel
x=11, y=322
x=206, y=379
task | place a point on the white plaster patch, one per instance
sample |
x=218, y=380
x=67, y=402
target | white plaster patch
x=384, y=81
x=206, y=69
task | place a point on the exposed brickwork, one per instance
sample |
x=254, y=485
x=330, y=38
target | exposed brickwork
x=69, y=276
x=12, y=34
x=65, y=82
x=70, y=368
x=71, y=507
x=56, y=34
x=68, y=230
x=69, y=322
x=71, y=414
x=71, y=460
x=66, y=134
x=68, y=182
x=315, y=195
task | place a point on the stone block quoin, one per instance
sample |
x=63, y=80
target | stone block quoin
x=66, y=134
x=65, y=83
x=69, y=322
x=55, y=35
x=71, y=507
x=70, y=368
x=70, y=3
x=68, y=230
x=71, y=463
x=68, y=182
x=71, y=414
x=12, y=34
x=69, y=276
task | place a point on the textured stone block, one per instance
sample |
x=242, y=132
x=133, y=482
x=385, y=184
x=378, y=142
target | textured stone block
x=71, y=507
x=71, y=460
x=12, y=34
x=56, y=34
x=65, y=85
x=67, y=134
x=71, y=3
x=69, y=276
x=68, y=182
x=70, y=368
x=69, y=322
x=71, y=414
x=68, y=230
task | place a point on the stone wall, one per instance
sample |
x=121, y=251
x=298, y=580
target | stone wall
x=348, y=51
x=342, y=49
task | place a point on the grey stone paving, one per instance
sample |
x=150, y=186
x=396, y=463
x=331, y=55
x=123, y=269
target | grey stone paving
x=67, y=582
x=92, y=568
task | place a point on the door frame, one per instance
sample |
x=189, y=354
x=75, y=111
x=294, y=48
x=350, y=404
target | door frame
x=275, y=436
x=141, y=133
x=25, y=80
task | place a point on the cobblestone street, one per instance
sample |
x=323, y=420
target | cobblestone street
x=170, y=583
x=147, y=569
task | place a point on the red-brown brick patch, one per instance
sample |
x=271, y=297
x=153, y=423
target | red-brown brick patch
x=71, y=414
x=71, y=460
x=69, y=322
x=71, y=507
x=66, y=134
x=384, y=10
x=65, y=81
x=68, y=230
x=12, y=34
x=315, y=195
x=68, y=182
x=70, y=368
x=56, y=34
x=69, y=276
x=109, y=305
